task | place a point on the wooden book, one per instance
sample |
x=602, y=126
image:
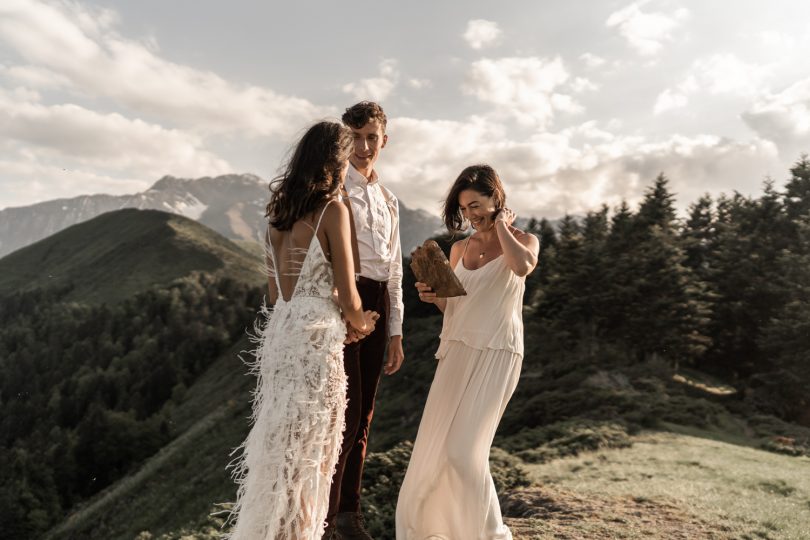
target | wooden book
x=430, y=266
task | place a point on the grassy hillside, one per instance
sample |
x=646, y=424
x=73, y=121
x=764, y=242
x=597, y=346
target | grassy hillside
x=592, y=446
x=667, y=485
x=117, y=254
x=597, y=472
x=106, y=327
x=180, y=485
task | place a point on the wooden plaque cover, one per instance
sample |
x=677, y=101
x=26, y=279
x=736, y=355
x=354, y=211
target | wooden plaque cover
x=430, y=266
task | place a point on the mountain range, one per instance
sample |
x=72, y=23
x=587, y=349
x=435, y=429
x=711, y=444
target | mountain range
x=232, y=204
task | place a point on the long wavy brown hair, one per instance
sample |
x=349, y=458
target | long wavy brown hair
x=311, y=176
x=480, y=178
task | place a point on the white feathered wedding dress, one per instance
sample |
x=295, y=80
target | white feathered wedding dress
x=285, y=465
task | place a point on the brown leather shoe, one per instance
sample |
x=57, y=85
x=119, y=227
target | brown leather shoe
x=352, y=526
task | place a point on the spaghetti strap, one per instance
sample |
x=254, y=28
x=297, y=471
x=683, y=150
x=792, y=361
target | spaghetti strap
x=466, y=242
x=322, y=213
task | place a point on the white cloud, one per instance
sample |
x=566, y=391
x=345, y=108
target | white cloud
x=481, y=33
x=668, y=100
x=79, y=48
x=376, y=88
x=727, y=74
x=718, y=74
x=592, y=60
x=574, y=170
x=566, y=103
x=35, y=76
x=521, y=87
x=581, y=84
x=646, y=32
x=78, y=138
x=784, y=118
x=420, y=84
x=100, y=107
x=26, y=179
x=776, y=40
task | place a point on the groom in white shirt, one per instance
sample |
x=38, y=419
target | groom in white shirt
x=378, y=269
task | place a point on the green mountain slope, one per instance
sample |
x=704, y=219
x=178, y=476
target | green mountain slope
x=181, y=483
x=105, y=328
x=171, y=496
x=120, y=253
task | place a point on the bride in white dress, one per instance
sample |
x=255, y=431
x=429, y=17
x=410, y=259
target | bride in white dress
x=285, y=465
x=448, y=492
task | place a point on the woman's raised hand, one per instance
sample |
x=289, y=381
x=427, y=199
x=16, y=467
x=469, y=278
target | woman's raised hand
x=426, y=294
x=507, y=216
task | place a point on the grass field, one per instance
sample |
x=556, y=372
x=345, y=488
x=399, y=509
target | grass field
x=666, y=485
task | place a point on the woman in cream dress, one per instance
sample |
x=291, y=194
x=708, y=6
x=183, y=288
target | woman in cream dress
x=448, y=492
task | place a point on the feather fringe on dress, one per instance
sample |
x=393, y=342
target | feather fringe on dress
x=284, y=467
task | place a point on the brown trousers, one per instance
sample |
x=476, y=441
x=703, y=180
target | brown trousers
x=363, y=362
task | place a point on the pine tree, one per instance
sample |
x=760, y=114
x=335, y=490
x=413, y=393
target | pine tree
x=658, y=207
x=591, y=276
x=538, y=279
x=797, y=190
x=546, y=234
x=576, y=285
x=621, y=228
x=786, y=337
x=751, y=235
x=655, y=303
x=554, y=300
x=621, y=275
x=699, y=236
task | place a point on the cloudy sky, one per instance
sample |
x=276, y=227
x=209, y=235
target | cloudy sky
x=574, y=103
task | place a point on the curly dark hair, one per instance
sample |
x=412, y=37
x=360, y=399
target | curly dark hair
x=480, y=178
x=311, y=176
x=360, y=114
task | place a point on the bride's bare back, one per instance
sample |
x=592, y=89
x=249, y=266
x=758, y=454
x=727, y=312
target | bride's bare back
x=291, y=249
x=334, y=239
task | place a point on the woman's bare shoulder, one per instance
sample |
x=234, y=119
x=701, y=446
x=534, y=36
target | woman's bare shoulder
x=335, y=212
x=458, y=245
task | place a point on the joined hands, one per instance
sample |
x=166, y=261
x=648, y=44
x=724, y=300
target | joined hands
x=355, y=334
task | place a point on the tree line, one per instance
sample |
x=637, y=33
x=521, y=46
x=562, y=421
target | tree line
x=725, y=290
x=85, y=390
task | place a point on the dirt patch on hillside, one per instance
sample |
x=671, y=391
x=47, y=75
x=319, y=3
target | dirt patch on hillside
x=550, y=512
